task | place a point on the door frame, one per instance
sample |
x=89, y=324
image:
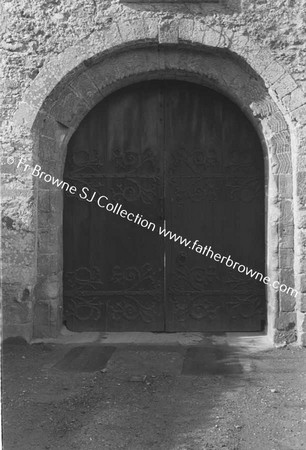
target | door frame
x=56, y=122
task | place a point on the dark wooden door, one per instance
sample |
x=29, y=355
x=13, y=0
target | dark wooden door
x=215, y=194
x=113, y=269
x=184, y=157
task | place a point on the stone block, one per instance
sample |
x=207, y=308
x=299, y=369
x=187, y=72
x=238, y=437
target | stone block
x=240, y=44
x=301, y=242
x=286, y=259
x=284, y=86
x=287, y=277
x=287, y=302
x=286, y=321
x=302, y=339
x=22, y=330
x=69, y=109
x=301, y=220
x=286, y=236
x=276, y=123
x=286, y=218
x=46, y=220
x=47, y=319
x=49, y=240
x=47, y=150
x=53, y=168
x=302, y=261
x=285, y=186
x=294, y=100
x=280, y=142
x=111, y=37
x=49, y=288
x=151, y=28
x=168, y=32
x=301, y=187
x=138, y=30
x=43, y=203
x=186, y=29
x=301, y=162
x=273, y=73
x=50, y=128
x=301, y=282
x=107, y=72
x=303, y=299
x=132, y=30
x=216, y=37
x=282, y=163
x=299, y=115
x=49, y=264
x=84, y=88
x=288, y=337
x=302, y=322
x=262, y=107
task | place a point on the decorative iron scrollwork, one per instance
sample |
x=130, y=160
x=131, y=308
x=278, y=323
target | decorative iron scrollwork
x=131, y=190
x=129, y=161
x=133, y=277
x=83, y=278
x=117, y=307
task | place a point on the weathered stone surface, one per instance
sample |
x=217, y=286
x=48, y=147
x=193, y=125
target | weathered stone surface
x=285, y=186
x=84, y=88
x=48, y=240
x=47, y=319
x=49, y=264
x=287, y=302
x=301, y=188
x=60, y=59
x=284, y=86
x=299, y=115
x=287, y=337
x=286, y=258
x=286, y=213
x=295, y=99
x=168, y=32
x=286, y=321
x=186, y=29
x=302, y=339
x=303, y=295
x=68, y=108
x=49, y=288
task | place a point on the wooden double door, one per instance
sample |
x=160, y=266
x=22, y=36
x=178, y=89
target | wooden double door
x=185, y=158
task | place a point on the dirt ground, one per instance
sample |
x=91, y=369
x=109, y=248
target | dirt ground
x=147, y=397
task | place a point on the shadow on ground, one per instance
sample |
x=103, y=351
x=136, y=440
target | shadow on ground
x=149, y=397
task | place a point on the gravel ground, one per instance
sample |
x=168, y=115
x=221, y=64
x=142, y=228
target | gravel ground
x=154, y=398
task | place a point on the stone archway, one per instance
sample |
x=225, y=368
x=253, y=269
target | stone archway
x=70, y=86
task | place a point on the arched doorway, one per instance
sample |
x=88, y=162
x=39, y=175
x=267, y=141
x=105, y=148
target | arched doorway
x=185, y=158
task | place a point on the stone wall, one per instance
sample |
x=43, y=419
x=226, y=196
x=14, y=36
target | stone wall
x=60, y=58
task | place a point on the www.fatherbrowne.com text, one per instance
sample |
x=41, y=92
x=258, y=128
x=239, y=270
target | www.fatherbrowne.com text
x=86, y=194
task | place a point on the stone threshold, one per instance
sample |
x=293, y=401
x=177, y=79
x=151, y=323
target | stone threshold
x=252, y=341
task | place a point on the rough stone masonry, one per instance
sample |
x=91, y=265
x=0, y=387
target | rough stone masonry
x=60, y=58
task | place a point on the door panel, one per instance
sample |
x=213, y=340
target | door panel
x=214, y=193
x=176, y=153
x=114, y=275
